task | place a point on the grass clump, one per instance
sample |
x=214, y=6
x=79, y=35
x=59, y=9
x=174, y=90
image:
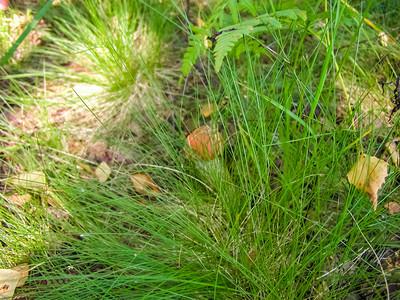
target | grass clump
x=273, y=216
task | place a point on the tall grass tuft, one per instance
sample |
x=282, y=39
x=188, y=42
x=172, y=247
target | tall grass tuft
x=281, y=222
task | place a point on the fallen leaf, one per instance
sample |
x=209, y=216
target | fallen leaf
x=24, y=273
x=394, y=152
x=136, y=130
x=59, y=213
x=368, y=175
x=85, y=167
x=98, y=151
x=34, y=180
x=200, y=22
x=252, y=256
x=8, y=282
x=103, y=171
x=19, y=199
x=383, y=39
x=76, y=147
x=208, y=108
x=143, y=184
x=393, y=207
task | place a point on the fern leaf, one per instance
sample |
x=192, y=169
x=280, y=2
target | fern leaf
x=263, y=23
x=226, y=41
x=233, y=7
x=191, y=55
x=292, y=14
x=247, y=5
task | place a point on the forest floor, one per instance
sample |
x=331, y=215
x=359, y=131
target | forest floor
x=221, y=150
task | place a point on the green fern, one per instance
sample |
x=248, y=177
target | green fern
x=192, y=53
x=252, y=46
x=227, y=40
x=233, y=7
x=263, y=23
x=230, y=35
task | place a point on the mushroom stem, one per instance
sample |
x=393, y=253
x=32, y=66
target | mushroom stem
x=214, y=172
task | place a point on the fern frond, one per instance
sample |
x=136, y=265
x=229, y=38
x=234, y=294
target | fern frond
x=233, y=7
x=252, y=46
x=226, y=41
x=192, y=54
x=263, y=23
x=293, y=14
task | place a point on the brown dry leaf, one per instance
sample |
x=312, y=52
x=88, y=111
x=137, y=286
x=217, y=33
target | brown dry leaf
x=200, y=22
x=59, y=213
x=103, y=171
x=252, y=256
x=76, y=147
x=208, y=108
x=98, y=151
x=394, y=152
x=144, y=184
x=85, y=167
x=368, y=175
x=24, y=273
x=34, y=180
x=393, y=207
x=8, y=282
x=19, y=199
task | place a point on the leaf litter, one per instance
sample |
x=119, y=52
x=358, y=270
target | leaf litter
x=368, y=175
x=11, y=279
x=144, y=185
x=103, y=171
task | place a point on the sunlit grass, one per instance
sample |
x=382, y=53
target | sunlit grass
x=281, y=222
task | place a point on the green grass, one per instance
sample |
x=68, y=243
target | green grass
x=274, y=217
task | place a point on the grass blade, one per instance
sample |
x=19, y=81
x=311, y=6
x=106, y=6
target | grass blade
x=24, y=34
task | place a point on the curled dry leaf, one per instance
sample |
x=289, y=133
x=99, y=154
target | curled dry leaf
x=24, y=273
x=103, y=171
x=208, y=109
x=393, y=207
x=252, y=256
x=19, y=199
x=144, y=184
x=394, y=152
x=59, y=213
x=98, y=151
x=368, y=175
x=34, y=180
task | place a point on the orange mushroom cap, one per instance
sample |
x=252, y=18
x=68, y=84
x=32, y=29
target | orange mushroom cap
x=205, y=142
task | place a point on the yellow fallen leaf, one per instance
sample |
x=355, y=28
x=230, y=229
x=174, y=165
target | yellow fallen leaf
x=368, y=175
x=393, y=207
x=208, y=108
x=200, y=22
x=143, y=184
x=103, y=171
x=383, y=39
x=59, y=213
x=8, y=282
x=85, y=167
x=394, y=152
x=34, y=180
x=24, y=273
x=19, y=199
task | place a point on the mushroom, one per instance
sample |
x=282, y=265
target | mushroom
x=203, y=146
x=204, y=143
x=3, y=4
